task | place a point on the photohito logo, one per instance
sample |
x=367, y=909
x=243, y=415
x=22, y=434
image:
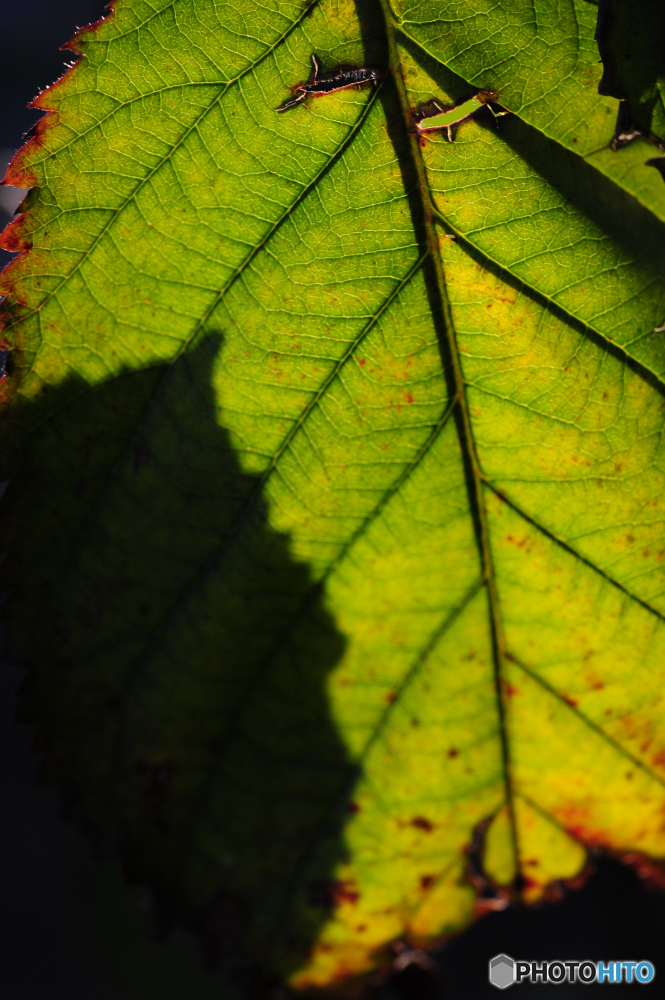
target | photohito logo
x=504, y=971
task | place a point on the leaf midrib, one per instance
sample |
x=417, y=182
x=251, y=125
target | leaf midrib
x=473, y=474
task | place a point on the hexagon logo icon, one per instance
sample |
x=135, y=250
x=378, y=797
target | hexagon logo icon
x=502, y=971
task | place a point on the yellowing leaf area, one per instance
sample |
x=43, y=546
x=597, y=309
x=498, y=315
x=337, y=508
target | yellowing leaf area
x=336, y=463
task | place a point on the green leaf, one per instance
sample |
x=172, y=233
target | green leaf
x=335, y=507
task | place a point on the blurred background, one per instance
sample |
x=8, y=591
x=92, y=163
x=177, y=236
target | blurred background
x=69, y=927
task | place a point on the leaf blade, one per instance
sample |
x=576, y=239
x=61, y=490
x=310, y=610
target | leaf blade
x=284, y=399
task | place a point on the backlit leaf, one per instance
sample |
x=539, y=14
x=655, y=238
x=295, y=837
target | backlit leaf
x=335, y=507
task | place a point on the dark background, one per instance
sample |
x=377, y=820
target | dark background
x=69, y=927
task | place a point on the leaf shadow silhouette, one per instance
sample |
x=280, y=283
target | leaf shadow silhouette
x=178, y=656
x=631, y=42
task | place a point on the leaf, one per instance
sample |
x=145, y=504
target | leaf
x=336, y=469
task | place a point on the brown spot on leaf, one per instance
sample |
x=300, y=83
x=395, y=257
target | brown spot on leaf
x=422, y=824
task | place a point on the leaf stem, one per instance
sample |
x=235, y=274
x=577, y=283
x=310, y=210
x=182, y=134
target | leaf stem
x=467, y=443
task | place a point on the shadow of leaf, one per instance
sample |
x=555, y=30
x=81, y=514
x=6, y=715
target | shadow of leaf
x=178, y=654
x=631, y=42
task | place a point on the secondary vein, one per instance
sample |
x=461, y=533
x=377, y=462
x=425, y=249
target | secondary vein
x=562, y=543
x=585, y=719
x=548, y=302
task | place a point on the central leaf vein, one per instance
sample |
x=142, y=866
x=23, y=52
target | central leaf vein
x=464, y=426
